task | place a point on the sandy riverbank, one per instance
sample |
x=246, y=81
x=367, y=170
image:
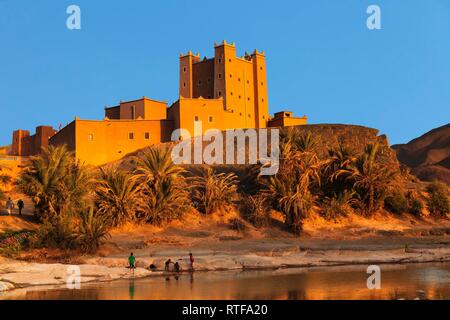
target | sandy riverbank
x=251, y=255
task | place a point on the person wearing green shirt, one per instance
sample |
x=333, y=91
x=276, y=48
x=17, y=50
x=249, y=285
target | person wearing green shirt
x=131, y=261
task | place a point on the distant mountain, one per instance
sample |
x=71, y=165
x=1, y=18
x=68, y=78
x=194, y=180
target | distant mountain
x=429, y=155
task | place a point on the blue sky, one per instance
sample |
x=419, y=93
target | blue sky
x=322, y=60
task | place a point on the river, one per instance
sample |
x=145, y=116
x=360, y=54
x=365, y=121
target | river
x=408, y=281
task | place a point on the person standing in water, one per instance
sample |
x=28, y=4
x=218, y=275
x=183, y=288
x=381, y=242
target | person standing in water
x=167, y=265
x=20, y=206
x=131, y=262
x=191, y=261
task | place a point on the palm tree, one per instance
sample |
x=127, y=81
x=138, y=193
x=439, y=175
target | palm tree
x=118, y=195
x=211, y=191
x=291, y=189
x=370, y=178
x=307, y=143
x=93, y=229
x=163, y=189
x=249, y=180
x=157, y=164
x=289, y=197
x=164, y=200
x=55, y=182
x=336, y=170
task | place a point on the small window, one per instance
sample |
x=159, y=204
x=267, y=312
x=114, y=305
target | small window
x=209, y=80
x=249, y=115
x=184, y=69
x=219, y=94
x=131, y=135
x=262, y=99
x=260, y=68
x=262, y=83
x=240, y=113
x=199, y=82
x=90, y=137
x=229, y=60
x=220, y=60
x=184, y=84
x=147, y=135
x=248, y=98
x=210, y=119
x=231, y=76
x=219, y=76
x=248, y=82
x=239, y=79
x=195, y=118
x=231, y=93
x=239, y=97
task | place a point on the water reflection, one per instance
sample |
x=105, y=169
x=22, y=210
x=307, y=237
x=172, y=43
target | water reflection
x=426, y=281
x=131, y=290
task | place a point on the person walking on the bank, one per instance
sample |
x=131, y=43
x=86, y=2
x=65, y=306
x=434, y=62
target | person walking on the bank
x=191, y=261
x=20, y=206
x=9, y=206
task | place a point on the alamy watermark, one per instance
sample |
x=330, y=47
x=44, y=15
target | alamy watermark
x=242, y=146
x=73, y=21
x=73, y=280
x=374, y=280
x=374, y=20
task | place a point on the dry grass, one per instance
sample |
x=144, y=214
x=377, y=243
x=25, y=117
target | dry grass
x=379, y=224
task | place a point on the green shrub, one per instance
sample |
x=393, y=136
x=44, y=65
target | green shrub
x=416, y=207
x=59, y=232
x=81, y=232
x=396, y=203
x=11, y=243
x=438, y=203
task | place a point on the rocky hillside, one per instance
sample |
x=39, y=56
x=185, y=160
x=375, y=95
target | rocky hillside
x=429, y=155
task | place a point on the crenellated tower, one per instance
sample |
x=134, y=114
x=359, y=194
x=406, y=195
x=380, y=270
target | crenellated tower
x=239, y=81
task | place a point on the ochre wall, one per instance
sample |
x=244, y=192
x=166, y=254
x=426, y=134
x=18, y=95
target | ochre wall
x=20, y=147
x=261, y=95
x=286, y=119
x=65, y=136
x=185, y=110
x=41, y=138
x=25, y=145
x=112, y=112
x=100, y=142
x=144, y=108
x=203, y=79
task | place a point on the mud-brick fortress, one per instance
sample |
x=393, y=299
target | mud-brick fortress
x=224, y=92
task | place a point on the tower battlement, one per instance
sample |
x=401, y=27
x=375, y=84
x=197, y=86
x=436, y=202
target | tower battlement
x=241, y=81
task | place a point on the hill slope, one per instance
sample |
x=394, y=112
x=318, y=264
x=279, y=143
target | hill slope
x=428, y=156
